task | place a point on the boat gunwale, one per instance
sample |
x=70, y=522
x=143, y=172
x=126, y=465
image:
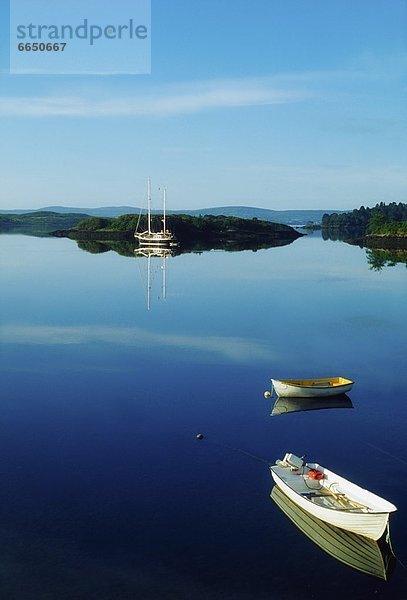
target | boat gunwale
x=341, y=510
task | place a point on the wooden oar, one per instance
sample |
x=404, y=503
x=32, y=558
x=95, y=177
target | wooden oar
x=342, y=499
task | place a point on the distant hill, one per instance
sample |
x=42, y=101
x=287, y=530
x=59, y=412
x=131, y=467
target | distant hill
x=295, y=218
x=288, y=217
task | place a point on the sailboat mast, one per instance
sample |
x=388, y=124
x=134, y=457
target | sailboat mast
x=149, y=204
x=165, y=196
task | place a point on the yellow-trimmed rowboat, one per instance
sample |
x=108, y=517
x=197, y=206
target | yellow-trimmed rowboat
x=310, y=388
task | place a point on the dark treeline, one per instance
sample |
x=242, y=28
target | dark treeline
x=185, y=227
x=382, y=219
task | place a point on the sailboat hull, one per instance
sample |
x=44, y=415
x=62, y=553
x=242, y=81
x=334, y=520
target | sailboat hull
x=155, y=240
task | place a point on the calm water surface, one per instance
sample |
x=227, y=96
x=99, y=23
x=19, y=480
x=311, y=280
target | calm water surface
x=105, y=491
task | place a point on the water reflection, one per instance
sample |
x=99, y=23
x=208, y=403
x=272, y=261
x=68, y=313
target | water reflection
x=355, y=551
x=344, y=235
x=389, y=253
x=127, y=248
x=154, y=253
x=377, y=258
x=283, y=405
x=380, y=258
x=98, y=247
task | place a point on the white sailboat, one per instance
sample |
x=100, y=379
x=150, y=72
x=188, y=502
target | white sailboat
x=332, y=498
x=151, y=238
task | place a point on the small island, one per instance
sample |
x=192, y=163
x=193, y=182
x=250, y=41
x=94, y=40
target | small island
x=194, y=233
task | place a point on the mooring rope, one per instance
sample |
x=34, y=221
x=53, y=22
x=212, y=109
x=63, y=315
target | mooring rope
x=249, y=454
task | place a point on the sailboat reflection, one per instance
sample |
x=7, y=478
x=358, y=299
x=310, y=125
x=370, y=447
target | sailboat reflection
x=355, y=551
x=152, y=253
x=283, y=406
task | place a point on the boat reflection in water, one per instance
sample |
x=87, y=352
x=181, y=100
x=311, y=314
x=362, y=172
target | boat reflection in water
x=358, y=552
x=154, y=253
x=283, y=406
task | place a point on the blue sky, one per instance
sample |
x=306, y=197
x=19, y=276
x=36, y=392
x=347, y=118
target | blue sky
x=272, y=103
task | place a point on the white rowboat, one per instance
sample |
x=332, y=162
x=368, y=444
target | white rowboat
x=355, y=551
x=310, y=388
x=332, y=498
